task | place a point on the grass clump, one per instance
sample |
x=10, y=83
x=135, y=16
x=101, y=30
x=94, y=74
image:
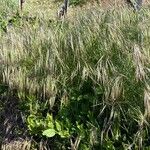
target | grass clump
x=80, y=84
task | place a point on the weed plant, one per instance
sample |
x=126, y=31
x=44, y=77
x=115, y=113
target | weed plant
x=81, y=84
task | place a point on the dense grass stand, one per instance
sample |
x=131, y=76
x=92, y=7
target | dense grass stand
x=78, y=83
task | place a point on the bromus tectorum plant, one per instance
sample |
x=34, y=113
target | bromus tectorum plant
x=82, y=83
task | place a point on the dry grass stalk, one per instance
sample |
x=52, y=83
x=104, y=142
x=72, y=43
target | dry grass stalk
x=147, y=100
x=139, y=63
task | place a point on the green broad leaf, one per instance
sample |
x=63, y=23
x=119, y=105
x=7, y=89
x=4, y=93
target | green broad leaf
x=49, y=132
x=50, y=125
x=58, y=126
x=64, y=134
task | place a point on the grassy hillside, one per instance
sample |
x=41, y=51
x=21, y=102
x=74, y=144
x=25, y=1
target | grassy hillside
x=82, y=83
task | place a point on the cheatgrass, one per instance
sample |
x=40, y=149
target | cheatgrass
x=86, y=79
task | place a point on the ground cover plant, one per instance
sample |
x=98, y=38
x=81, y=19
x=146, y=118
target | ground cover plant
x=78, y=83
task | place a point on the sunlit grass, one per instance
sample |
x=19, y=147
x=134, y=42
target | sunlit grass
x=106, y=51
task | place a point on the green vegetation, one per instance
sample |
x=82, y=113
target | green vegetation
x=79, y=84
x=77, y=2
